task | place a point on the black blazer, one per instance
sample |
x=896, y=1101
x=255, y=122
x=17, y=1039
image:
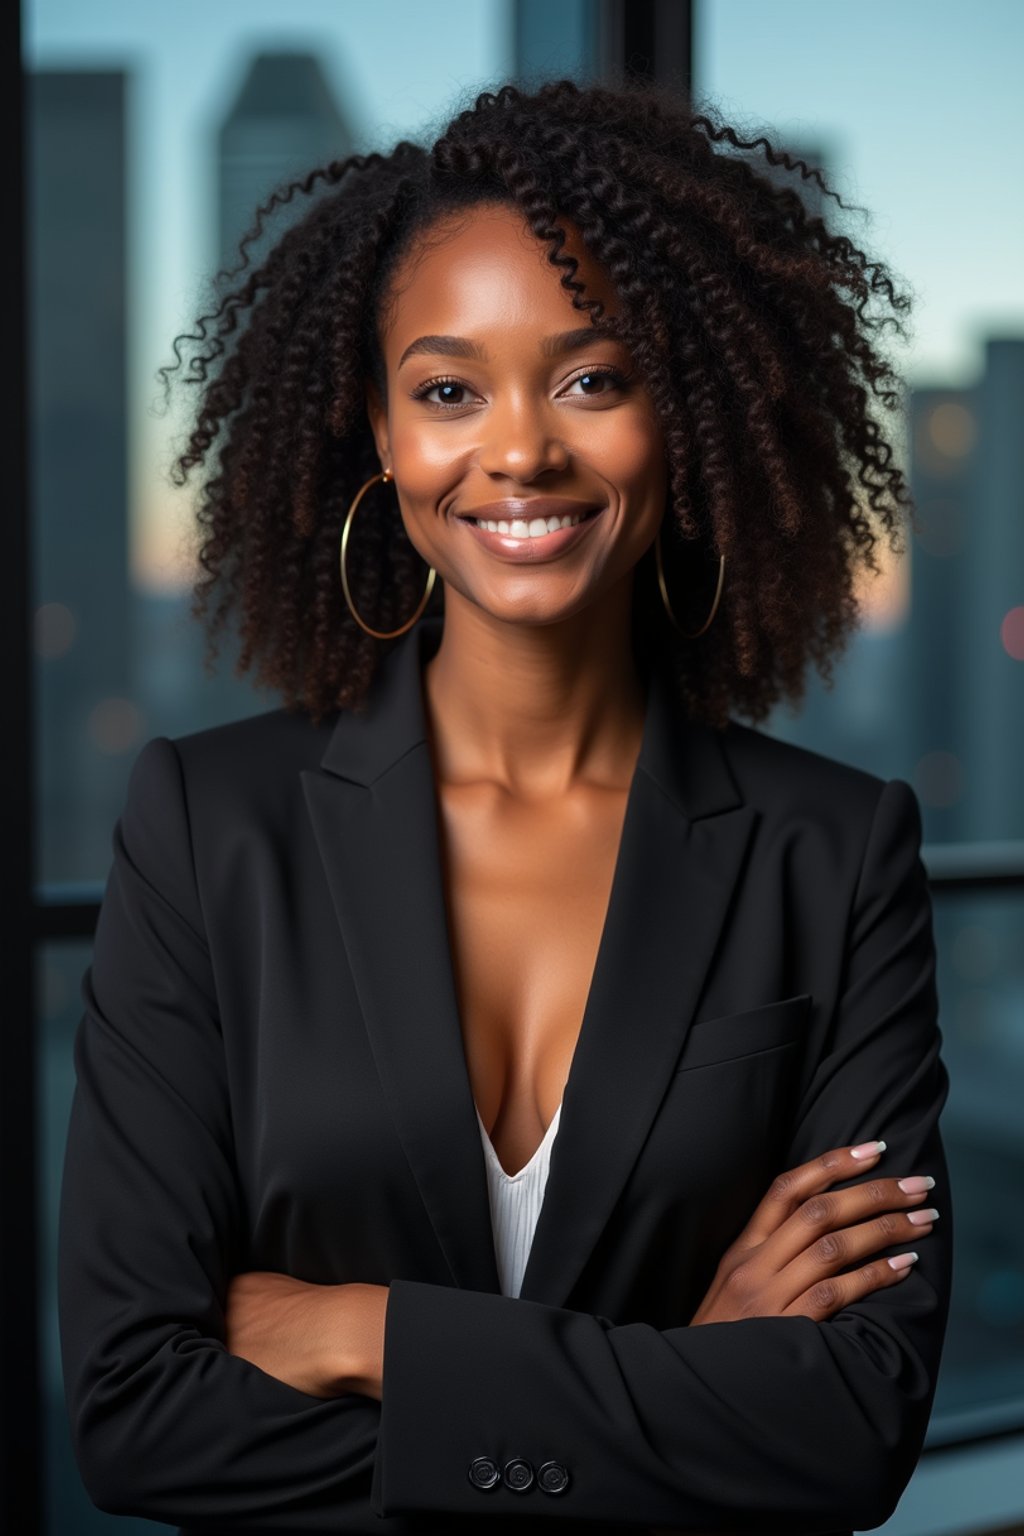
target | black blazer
x=270, y=1075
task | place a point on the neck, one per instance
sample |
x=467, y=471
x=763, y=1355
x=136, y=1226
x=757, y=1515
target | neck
x=535, y=709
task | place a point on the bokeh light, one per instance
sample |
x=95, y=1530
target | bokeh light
x=55, y=629
x=116, y=725
x=952, y=429
x=1011, y=633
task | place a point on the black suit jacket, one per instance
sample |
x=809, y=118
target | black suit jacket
x=270, y=1075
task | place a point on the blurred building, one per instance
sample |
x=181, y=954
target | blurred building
x=965, y=712
x=858, y=719
x=994, y=635
x=75, y=125
x=283, y=122
x=966, y=632
x=942, y=435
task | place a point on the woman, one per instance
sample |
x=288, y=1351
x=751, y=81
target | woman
x=504, y=902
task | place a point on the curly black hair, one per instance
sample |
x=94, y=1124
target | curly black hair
x=747, y=318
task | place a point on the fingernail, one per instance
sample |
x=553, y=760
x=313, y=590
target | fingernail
x=921, y=1218
x=917, y=1184
x=868, y=1149
x=902, y=1261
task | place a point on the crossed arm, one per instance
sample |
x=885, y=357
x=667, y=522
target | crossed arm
x=320, y=1339
x=178, y=1415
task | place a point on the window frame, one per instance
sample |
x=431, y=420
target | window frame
x=40, y=915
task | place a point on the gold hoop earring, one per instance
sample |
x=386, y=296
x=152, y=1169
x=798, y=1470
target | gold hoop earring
x=692, y=635
x=385, y=476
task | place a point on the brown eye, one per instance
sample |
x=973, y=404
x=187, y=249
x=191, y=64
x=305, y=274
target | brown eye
x=449, y=392
x=596, y=382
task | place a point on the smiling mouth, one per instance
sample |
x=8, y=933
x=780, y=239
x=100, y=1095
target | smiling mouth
x=531, y=528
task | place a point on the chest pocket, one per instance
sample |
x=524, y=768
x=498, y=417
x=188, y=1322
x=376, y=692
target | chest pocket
x=736, y=1035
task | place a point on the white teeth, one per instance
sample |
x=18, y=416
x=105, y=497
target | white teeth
x=536, y=528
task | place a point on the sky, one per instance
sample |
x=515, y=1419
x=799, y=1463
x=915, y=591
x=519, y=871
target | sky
x=920, y=108
x=915, y=103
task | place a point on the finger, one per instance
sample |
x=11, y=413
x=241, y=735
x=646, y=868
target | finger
x=836, y=1250
x=828, y=1230
x=832, y=1293
x=795, y=1185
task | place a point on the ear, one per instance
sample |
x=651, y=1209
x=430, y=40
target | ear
x=377, y=412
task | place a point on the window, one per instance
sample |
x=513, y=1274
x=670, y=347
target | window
x=150, y=133
x=932, y=688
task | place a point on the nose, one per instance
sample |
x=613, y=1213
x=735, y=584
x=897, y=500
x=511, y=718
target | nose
x=521, y=439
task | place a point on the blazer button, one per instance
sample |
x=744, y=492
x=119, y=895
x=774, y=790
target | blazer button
x=483, y=1472
x=553, y=1477
x=518, y=1474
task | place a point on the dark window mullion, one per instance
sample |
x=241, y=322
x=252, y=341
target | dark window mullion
x=20, y=1365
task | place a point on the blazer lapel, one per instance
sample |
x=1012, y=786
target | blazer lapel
x=375, y=815
x=684, y=840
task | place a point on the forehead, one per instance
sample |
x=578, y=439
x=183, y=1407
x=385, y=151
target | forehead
x=483, y=270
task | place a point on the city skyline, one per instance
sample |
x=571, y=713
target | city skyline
x=121, y=182
x=177, y=98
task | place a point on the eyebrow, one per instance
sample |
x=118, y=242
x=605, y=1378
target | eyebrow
x=461, y=346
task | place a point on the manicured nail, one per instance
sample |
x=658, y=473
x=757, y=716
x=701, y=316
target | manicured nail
x=867, y=1149
x=921, y=1218
x=902, y=1261
x=917, y=1184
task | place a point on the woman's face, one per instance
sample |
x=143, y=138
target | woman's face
x=505, y=405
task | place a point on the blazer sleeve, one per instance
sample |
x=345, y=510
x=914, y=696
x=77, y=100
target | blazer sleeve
x=775, y=1423
x=165, y=1422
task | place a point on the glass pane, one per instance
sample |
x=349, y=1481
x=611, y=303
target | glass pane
x=981, y=985
x=932, y=689
x=153, y=133
x=68, y=1508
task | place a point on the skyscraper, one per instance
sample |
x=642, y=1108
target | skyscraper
x=967, y=705
x=77, y=341
x=994, y=597
x=283, y=122
x=942, y=434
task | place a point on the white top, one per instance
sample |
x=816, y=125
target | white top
x=516, y=1200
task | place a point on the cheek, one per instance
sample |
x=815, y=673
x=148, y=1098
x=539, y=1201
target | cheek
x=430, y=459
x=628, y=451
x=625, y=448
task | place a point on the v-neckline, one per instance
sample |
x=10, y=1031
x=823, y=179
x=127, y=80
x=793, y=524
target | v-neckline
x=687, y=831
x=422, y=654
x=549, y=1135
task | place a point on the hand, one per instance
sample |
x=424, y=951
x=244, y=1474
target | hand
x=321, y=1339
x=786, y=1261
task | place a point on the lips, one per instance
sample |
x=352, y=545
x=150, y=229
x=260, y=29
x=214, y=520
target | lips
x=538, y=549
x=523, y=509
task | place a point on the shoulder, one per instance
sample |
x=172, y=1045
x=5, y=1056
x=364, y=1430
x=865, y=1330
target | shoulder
x=274, y=738
x=793, y=787
x=246, y=761
x=770, y=771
